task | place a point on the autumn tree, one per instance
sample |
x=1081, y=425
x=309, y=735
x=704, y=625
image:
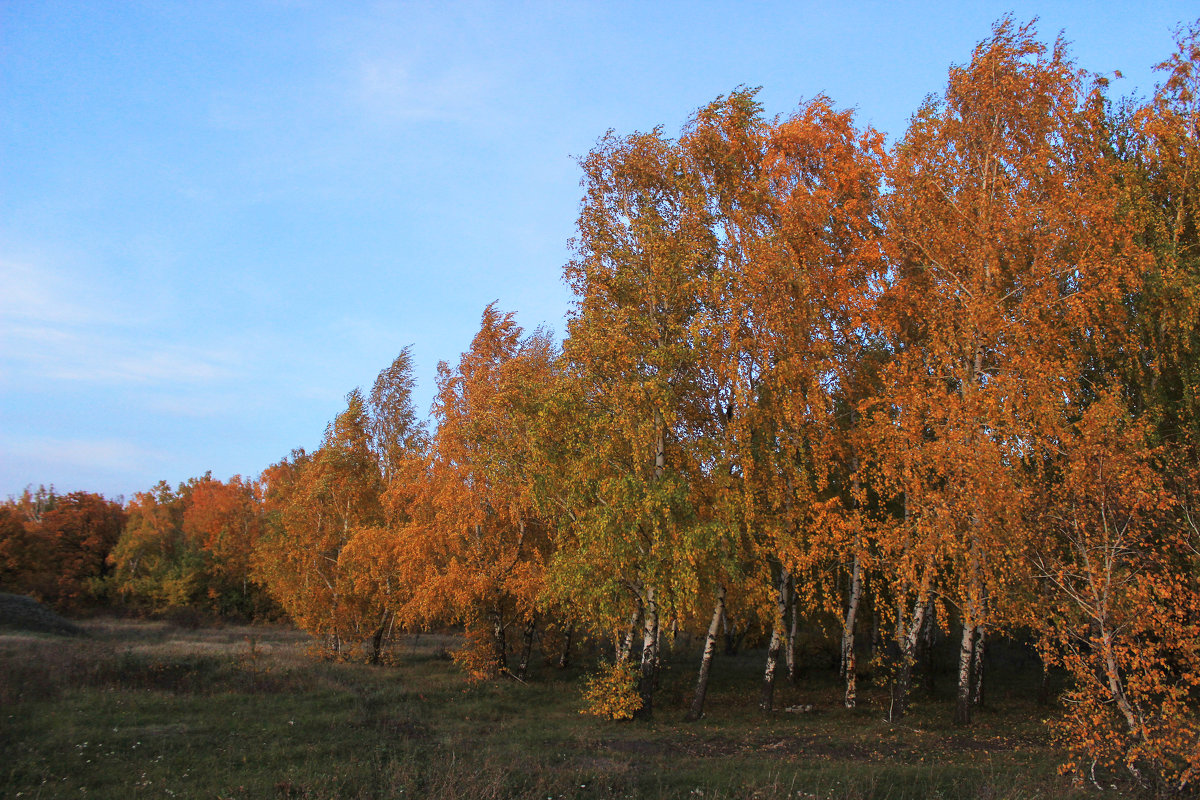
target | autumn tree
x=1124, y=620
x=326, y=553
x=378, y=565
x=320, y=502
x=72, y=538
x=22, y=554
x=643, y=255
x=1160, y=145
x=475, y=525
x=224, y=519
x=1119, y=538
x=396, y=433
x=806, y=344
x=1002, y=214
x=152, y=564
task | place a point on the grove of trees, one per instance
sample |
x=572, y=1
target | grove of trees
x=809, y=379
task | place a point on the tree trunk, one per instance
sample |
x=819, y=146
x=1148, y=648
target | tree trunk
x=849, y=655
x=499, y=646
x=929, y=638
x=564, y=659
x=906, y=641
x=790, y=651
x=710, y=646
x=767, y=697
x=649, y=676
x=977, y=671
x=849, y=661
x=377, y=639
x=376, y=645
x=527, y=646
x=1112, y=674
x=966, y=654
x=626, y=646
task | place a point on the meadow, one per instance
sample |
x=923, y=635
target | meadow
x=154, y=709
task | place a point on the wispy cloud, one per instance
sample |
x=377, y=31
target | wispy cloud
x=101, y=454
x=207, y=404
x=104, y=362
x=405, y=62
x=55, y=326
x=35, y=293
x=397, y=89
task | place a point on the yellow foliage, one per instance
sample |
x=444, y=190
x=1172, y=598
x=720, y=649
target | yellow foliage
x=477, y=656
x=612, y=692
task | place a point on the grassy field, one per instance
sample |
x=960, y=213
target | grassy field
x=141, y=709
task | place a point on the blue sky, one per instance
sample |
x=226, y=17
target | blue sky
x=217, y=218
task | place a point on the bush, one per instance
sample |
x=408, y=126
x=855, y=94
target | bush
x=611, y=693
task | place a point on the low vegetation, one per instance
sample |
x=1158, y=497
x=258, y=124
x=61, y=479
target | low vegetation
x=150, y=709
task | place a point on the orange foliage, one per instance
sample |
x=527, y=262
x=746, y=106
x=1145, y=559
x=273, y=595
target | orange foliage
x=1125, y=619
x=55, y=547
x=475, y=539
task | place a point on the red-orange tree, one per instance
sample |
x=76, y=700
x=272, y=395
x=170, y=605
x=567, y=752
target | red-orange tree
x=55, y=547
x=319, y=503
x=224, y=521
x=1003, y=219
x=1119, y=542
x=1124, y=619
x=475, y=542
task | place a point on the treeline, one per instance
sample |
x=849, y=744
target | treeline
x=163, y=552
x=809, y=381
x=56, y=547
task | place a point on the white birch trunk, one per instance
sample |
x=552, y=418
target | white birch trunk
x=767, y=698
x=649, y=676
x=849, y=663
x=710, y=647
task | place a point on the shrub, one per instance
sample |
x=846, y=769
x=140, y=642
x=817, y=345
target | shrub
x=611, y=693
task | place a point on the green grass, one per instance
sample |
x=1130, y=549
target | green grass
x=148, y=710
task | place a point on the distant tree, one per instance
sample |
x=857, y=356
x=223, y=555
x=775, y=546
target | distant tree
x=321, y=502
x=24, y=556
x=224, y=521
x=191, y=547
x=26, y=560
x=154, y=564
x=75, y=536
x=34, y=503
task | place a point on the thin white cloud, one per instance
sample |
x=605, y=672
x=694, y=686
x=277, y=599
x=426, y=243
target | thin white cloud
x=159, y=365
x=35, y=293
x=394, y=89
x=101, y=454
x=402, y=63
x=198, y=405
x=56, y=326
x=106, y=355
